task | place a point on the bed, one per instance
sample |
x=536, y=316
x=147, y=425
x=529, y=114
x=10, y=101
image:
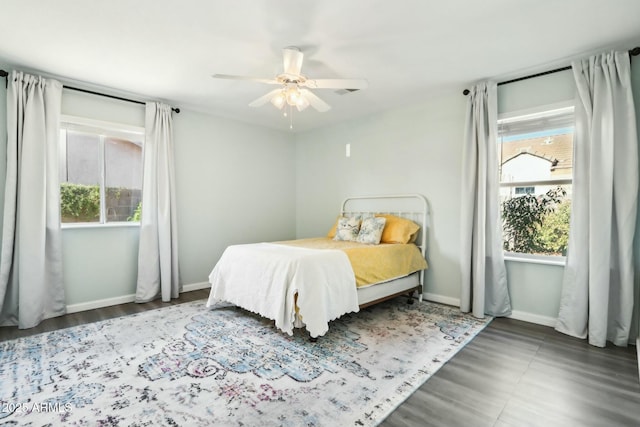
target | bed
x=309, y=282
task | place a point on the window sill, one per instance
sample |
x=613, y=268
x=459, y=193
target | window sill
x=82, y=225
x=535, y=259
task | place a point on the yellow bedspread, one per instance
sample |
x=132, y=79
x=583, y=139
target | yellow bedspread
x=371, y=263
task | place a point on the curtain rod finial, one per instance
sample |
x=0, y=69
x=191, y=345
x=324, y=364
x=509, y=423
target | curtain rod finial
x=3, y=73
x=466, y=92
x=635, y=51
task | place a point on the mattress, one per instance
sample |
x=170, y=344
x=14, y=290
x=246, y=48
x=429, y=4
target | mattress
x=371, y=264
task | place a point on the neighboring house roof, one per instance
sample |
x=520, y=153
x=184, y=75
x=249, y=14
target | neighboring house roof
x=553, y=162
x=557, y=149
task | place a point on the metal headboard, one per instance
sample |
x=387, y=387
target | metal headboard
x=411, y=206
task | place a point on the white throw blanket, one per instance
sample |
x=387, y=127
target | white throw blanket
x=264, y=278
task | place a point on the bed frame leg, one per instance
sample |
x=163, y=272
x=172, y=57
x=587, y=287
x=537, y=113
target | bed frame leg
x=419, y=297
x=312, y=339
x=410, y=296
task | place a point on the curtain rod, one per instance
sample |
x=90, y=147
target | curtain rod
x=633, y=52
x=4, y=73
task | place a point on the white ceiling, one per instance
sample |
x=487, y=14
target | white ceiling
x=406, y=49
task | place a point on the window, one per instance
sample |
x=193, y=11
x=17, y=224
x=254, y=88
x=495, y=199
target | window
x=536, y=172
x=100, y=171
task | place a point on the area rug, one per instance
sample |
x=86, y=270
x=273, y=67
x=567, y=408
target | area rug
x=186, y=365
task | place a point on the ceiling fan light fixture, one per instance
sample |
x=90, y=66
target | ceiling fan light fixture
x=292, y=87
x=302, y=103
x=292, y=95
x=278, y=100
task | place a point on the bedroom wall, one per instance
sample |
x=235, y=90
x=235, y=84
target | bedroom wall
x=235, y=183
x=416, y=149
x=99, y=263
x=535, y=288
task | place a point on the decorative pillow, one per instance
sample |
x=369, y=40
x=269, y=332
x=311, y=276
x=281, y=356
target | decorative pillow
x=371, y=230
x=398, y=230
x=348, y=228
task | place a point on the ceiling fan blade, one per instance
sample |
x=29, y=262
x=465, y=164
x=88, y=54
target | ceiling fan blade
x=251, y=79
x=264, y=98
x=336, y=83
x=292, y=59
x=315, y=102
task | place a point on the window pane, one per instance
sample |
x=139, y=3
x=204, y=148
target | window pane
x=80, y=177
x=123, y=166
x=536, y=169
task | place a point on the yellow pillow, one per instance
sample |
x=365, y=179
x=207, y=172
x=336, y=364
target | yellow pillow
x=398, y=230
x=332, y=233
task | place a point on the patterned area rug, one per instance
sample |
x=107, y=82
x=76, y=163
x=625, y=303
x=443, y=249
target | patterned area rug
x=188, y=365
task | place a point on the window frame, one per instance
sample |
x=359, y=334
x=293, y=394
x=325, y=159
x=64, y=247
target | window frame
x=103, y=129
x=512, y=116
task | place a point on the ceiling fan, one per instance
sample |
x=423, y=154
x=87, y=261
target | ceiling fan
x=293, y=90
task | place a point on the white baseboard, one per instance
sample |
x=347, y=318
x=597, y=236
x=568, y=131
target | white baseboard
x=441, y=299
x=515, y=314
x=195, y=286
x=123, y=299
x=90, y=305
x=638, y=351
x=533, y=318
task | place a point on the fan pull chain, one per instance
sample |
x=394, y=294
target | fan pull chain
x=289, y=114
x=290, y=117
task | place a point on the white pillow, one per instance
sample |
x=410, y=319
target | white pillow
x=371, y=230
x=348, y=228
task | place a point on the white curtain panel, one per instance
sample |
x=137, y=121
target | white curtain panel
x=484, y=276
x=598, y=283
x=31, y=287
x=158, y=252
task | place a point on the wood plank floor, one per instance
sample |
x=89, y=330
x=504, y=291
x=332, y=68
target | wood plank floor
x=513, y=374
x=516, y=374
